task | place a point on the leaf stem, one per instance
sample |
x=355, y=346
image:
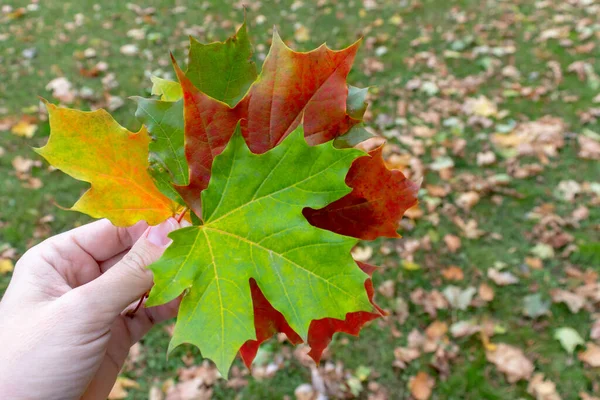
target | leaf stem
x=131, y=313
x=182, y=214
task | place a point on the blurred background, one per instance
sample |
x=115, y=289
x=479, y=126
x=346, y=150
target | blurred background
x=493, y=291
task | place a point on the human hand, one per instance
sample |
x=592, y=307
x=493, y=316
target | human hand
x=63, y=330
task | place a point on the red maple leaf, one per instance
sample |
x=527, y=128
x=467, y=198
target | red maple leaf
x=268, y=321
x=376, y=204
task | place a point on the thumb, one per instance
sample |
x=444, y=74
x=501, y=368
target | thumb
x=129, y=279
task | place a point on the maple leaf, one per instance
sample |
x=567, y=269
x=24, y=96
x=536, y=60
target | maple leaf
x=294, y=86
x=376, y=204
x=291, y=86
x=164, y=121
x=223, y=71
x=254, y=228
x=268, y=321
x=90, y=146
x=166, y=89
x=208, y=127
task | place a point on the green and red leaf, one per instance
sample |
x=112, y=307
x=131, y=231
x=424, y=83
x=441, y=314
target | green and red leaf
x=373, y=209
x=268, y=321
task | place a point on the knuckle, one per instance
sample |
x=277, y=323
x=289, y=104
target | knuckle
x=124, y=237
x=136, y=263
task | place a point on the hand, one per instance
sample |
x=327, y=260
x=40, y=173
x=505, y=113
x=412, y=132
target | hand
x=63, y=330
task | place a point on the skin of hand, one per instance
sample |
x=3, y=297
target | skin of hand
x=64, y=333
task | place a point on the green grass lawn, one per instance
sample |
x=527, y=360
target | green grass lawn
x=447, y=45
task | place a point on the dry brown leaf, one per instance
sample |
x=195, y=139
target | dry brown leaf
x=452, y=242
x=387, y=288
x=436, y=330
x=588, y=148
x=453, y=273
x=404, y=355
x=542, y=389
x=431, y=301
x=486, y=292
x=193, y=389
x=534, y=262
x=511, y=361
x=464, y=328
x=306, y=392
x=481, y=107
x=467, y=200
x=542, y=137
x=502, y=278
x=421, y=386
x=486, y=158
x=580, y=213
x=591, y=355
x=585, y=396
x=574, y=301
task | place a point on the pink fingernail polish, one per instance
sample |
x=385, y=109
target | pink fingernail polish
x=158, y=234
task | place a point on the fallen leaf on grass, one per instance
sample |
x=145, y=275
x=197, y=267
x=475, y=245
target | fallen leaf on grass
x=430, y=301
x=407, y=265
x=306, y=392
x=502, y=278
x=362, y=253
x=459, y=298
x=387, y=288
x=24, y=129
x=6, y=266
x=542, y=389
x=585, y=396
x=452, y=242
x=453, y=273
x=404, y=355
x=591, y=355
x=119, y=390
x=480, y=106
x=511, y=361
x=534, y=262
x=574, y=301
x=486, y=292
x=436, y=330
x=421, y=386
x=569, y=338
x=467, y=200
x=464, y=328
x=542, y=137
x=61, y=89
x=535, y=306
x=588, y=148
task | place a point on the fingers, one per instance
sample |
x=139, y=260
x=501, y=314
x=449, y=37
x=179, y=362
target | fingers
x=128, y=280
x=101, y=239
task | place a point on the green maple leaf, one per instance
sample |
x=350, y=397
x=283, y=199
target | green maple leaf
x=223, y=70
x=164, y=120
x=254, y=228
x=166, y=89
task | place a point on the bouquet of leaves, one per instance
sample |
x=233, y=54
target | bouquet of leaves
x=277, y=195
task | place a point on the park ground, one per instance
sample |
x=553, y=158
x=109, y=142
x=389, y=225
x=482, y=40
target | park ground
x=493, y=291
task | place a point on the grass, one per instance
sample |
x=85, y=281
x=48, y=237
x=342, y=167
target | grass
x=104, y=28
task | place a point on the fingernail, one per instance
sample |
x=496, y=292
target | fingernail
x=158, y=234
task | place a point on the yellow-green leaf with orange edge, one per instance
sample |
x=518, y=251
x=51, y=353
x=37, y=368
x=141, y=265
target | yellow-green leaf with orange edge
x=93, y=147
